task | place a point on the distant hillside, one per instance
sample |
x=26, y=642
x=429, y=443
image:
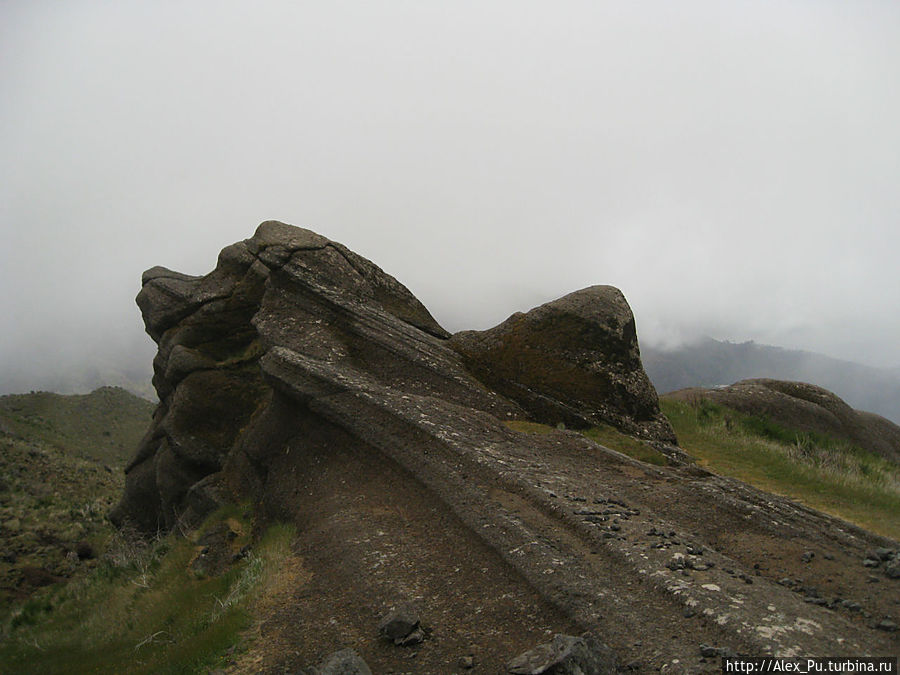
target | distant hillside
x=709, y=363
x=810, y=412
x=105, y=425
x=61, y=461
x=80, y=380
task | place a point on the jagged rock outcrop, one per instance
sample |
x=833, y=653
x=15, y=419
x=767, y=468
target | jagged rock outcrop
x=805, y=407
x=291, y=312
x=574, y=360
x=288, y=290
x=303, y=378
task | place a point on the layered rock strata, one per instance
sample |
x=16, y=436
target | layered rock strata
x=302, y=377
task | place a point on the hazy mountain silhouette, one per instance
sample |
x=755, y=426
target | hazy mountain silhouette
x=709, y=363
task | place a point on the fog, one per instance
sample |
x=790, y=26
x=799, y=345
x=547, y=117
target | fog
x=732, y=167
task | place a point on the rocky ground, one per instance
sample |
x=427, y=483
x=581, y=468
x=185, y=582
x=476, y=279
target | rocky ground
x=301, y=377
x=529, y=536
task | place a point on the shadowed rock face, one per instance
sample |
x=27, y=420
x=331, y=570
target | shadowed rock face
x=290, y=315
x=574, y=360
x=806, y=407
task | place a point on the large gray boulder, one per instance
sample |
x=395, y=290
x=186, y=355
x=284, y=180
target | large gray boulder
x=574, y=360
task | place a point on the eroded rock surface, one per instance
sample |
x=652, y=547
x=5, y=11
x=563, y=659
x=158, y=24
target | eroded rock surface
x=574, y=360
x=304, y=378
x=284, y=287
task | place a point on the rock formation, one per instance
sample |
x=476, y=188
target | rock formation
x=339, y=342
x=303, y=378
x=806, y=407
x=574, y=360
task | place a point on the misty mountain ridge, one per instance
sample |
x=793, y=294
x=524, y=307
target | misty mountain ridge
x=710, y=363
x=705, y=363
x=90, y=375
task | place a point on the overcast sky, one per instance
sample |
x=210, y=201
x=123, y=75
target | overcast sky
x=733, y=167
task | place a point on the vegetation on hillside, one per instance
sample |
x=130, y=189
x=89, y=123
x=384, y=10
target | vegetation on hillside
x=105, y=425
x=74, y=590
x=171, y=605
x=61, y=462
x=828, y=474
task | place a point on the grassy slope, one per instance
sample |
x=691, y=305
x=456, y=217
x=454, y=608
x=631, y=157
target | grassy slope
x=132, y=606
x=824, y=473
x=147, y=608
x=105, y=425
x=61, y=460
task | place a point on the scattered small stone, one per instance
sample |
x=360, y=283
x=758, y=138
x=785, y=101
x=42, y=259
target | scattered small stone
x=694, y=550
x=689, y=612
x=566, y=654
x=828, y=556
x=343, y=662
x=578, y=499
x=399, y=623
x=808, y=556
x=887, y=625
x=873, y=579
x=884, y=553
x=850, y=605
x=615, y=527
x=892, y=568
x=467, y=662
x=815, y=601
x=676, y=564
x=708, y=651
x=871, y=562
x=414, y=638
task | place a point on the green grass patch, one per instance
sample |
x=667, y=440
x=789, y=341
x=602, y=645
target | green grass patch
x=105, y=425
x=826, y=473
x=145, y=609
x=529, y=427
x=611, y=437
x=604, y=435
